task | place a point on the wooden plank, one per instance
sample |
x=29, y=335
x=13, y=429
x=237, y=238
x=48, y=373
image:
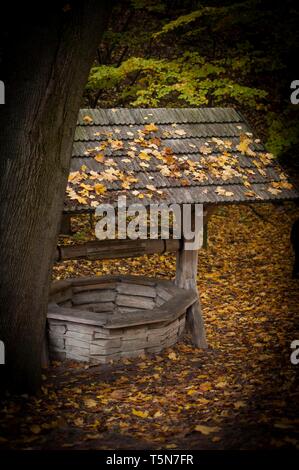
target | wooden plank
x=83, y=336
x=170, y=311
x=105, y=285
x=96, y=349
x=66, y=303
x=132, y=301
x=124, y=320
x=109, y=249
x=97, y=307
x=76, y=316
x=77, y=328
x=128, y=310
x=89, y=297
x=145, y=281
x=85, y=281
x=61, y=293
x=106, y=333
x=176, y=306
x=108, y=343
x=136, y=289
x=159, y=301
x=56, y=341
x=58, y=286
x=80, y=343
x=163, y=293
x=76, y=356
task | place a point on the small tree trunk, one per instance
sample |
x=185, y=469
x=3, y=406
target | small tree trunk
x=46, y=63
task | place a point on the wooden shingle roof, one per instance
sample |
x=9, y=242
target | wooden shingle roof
x=185, y=155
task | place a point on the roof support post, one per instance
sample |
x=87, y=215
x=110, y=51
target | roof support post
x=65, y=225
x=186, y=277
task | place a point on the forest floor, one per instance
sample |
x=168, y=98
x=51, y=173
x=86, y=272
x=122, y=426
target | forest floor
x=241, y=393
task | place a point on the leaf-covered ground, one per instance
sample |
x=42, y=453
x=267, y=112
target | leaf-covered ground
x=240, y=393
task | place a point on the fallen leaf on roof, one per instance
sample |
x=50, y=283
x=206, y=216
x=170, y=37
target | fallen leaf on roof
x=222, y=192
x=100, y=188
x=87, y=119
x=100, y=157
x=150, y=127
x=180, y=132
x=144, y=156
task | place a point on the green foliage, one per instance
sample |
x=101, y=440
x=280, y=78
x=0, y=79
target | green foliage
x=190, y=79
x=189, y=53
x=216, y=15
x=283, y=133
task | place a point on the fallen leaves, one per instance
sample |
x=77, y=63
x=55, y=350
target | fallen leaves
x=223, y=192
x=87, y=119
x=244, y=146
x=35, y=429
x=100, y=188
x=250, y=304
x=90, y=403
x=217, y=163
x=206, y=430
x=140, y=414
x=150, y=128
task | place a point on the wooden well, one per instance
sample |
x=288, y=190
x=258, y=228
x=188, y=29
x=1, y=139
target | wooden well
x=99, y=319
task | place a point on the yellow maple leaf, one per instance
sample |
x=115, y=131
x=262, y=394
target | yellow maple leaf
x=144, y=156
x=99, y=157
x=87, y=119
x=140, y=414
x=151, y=127
x=116, y=144
x=206, y=386
x=100, y=188
x=244, y=146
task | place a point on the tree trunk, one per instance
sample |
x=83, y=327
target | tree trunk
x=46, y=62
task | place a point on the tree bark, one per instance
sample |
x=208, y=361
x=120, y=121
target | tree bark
x=45, y=64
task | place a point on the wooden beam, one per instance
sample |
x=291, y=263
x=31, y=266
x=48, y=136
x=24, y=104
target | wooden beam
x=109, y=249
x=65, y=225
x=186, y=278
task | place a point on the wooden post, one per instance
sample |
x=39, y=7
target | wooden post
x=65, y=225
x=186, y=277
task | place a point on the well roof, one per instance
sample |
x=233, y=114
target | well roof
x=184, y=155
